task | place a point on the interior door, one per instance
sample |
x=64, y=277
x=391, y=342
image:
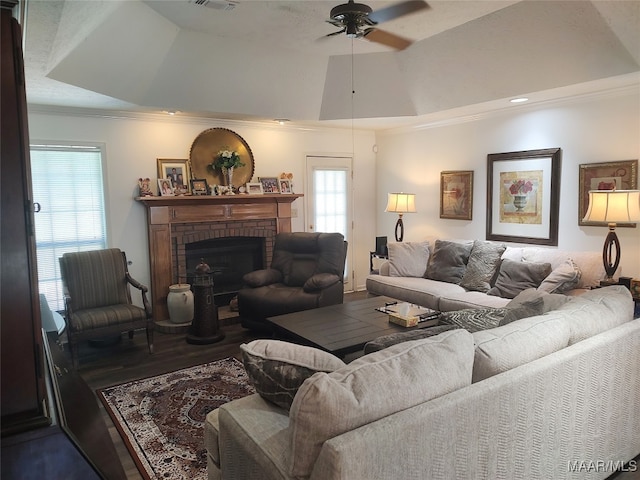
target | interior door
x=329, y=201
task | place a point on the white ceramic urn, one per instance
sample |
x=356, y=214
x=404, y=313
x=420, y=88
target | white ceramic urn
x=180, y=303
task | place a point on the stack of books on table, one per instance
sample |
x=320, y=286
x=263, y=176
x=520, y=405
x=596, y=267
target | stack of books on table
x=410, y=315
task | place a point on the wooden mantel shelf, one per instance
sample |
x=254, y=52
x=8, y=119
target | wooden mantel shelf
x=218, y=199
x=166, y=214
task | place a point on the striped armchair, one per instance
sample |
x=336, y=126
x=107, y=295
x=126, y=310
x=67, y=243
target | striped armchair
x=97, y=298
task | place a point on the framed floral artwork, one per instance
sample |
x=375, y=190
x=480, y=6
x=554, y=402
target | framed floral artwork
x=523, y=196
x=456, y=194
x=605, y=176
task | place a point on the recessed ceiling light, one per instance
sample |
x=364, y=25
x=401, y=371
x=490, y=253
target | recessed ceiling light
x=519, y=100
x=171, y=112
x=281, y=121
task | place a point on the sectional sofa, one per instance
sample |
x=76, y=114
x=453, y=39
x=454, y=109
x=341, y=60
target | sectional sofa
x=449, y=275
x=554, y=395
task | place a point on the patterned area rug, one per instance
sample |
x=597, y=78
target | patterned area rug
x=161, y=419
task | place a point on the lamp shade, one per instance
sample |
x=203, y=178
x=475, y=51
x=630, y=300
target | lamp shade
x=401, y=203
x=613, y=206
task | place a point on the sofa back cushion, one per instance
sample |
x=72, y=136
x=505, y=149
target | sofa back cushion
x=408, y=259
x=329, y=404
x=596, y=311
x=509, y=346
x=448, y=262
x=589, y=263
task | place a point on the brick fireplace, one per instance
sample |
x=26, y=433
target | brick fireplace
x=174, y=222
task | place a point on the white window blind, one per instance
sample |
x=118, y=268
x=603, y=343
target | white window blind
x=68, y=184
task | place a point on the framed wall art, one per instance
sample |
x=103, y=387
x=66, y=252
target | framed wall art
x=605, y=176
x=523, y=196
x=456, y=194
x=177, y=171
x=199, y=186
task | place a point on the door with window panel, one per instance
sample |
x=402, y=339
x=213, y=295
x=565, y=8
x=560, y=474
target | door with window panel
x=329, y=200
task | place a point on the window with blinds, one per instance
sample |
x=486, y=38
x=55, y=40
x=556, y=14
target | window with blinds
x=68, y=186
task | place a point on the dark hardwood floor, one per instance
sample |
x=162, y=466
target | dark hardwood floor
x=127, y=360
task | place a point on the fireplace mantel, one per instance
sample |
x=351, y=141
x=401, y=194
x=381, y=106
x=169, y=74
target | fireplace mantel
x=166, y=214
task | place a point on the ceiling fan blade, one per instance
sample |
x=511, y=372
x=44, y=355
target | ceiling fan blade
x=335, y=33
x=397, y=10
x=386, y=38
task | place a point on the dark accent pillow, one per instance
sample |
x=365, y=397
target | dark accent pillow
x=515, y=277
x=394, y=338
x=448, y=261
x=550, y=301
x=475, y=319
x=482, y=266
x=277, y=369
x=523, y=310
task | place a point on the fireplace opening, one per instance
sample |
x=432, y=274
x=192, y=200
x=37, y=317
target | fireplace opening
x=229, y=259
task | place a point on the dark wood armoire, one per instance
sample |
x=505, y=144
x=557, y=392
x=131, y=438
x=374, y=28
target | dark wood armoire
x=22, y=362
x=43, y=436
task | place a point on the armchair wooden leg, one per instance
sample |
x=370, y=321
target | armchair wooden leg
x=130, y=334
x=150, y=339
x=73, y=347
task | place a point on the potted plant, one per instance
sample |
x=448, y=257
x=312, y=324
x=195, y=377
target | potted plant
x=226, y=161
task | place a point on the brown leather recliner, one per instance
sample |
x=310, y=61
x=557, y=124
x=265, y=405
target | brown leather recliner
x=306, y=272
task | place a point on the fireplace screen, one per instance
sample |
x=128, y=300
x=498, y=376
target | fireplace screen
x=229, y=259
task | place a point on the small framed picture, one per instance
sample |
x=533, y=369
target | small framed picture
x=269, y=184
x=456, y=194
x=285, y=185
x=199, y=186
x=255, y=188
x=164, y=187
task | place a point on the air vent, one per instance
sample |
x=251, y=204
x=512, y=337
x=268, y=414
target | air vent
x=215, y=4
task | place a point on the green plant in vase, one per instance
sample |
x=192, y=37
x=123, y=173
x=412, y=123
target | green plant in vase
x=226, y=161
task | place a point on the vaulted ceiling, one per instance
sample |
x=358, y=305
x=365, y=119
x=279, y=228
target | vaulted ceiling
x=271, y=59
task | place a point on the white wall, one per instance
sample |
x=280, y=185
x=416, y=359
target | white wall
x=134, y=143
x=596, y=128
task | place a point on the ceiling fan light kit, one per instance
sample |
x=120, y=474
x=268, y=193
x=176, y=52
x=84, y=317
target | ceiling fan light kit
x=358, y=20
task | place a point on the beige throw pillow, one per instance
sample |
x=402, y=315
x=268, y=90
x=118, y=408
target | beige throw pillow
x=408, y=259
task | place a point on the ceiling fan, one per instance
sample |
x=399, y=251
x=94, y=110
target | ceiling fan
x=358, y=20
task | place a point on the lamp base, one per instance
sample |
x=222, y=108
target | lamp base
x=611, y=253
x=399, y=229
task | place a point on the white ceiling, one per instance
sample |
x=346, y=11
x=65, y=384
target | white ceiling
x=268, y=59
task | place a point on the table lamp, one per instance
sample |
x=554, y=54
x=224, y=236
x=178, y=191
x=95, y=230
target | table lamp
x=613, y=206
x=401, y=203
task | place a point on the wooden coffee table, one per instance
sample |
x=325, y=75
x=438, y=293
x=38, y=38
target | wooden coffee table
x=338, y=329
